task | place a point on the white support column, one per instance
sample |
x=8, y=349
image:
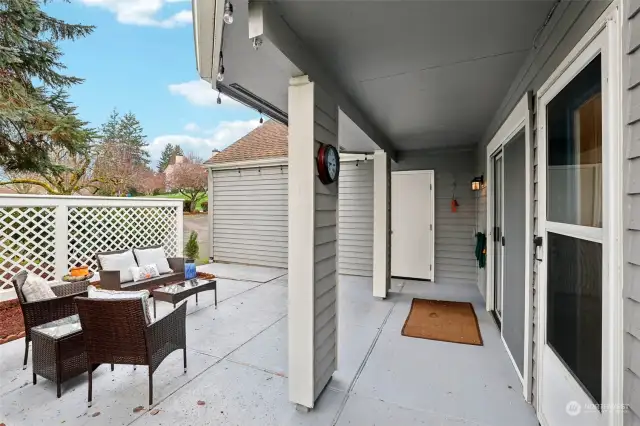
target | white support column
x=381, y=224
x=210, y=211
x=180, y=230
x=62, y=241
x=313, y=236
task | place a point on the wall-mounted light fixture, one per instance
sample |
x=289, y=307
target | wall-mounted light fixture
x=477, y=183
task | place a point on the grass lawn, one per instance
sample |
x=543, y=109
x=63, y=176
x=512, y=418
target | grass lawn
x=180, y=196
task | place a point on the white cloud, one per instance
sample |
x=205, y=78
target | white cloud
x=222, y=136
x=191, y=127
x=143, y=12
x=200, y=93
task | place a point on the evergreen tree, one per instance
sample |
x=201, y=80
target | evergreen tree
x=132, y=135
x=165, y=157
x=126, y=131
x=178, y=151
x=35, y=114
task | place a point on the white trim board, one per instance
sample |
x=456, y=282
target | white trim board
x=602, y=38
x=519, y=120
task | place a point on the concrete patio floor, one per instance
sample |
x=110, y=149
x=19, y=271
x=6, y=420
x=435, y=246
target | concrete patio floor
x=237, y=357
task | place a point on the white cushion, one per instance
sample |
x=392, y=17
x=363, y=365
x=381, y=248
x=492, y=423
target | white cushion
x=143, y=295
x=122, y=262
x=153, y=255
x=144, y=272
x=36, y=288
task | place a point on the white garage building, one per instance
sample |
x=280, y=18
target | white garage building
x=248, y=195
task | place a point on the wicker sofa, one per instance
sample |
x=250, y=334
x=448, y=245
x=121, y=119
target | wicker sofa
x=110, y=280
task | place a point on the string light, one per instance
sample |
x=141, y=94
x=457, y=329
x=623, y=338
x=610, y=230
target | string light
x=228, y=13
x=261, y=120
x=219, y=100
x=220, y=76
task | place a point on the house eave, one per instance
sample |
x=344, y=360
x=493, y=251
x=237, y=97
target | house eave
x=208, y=36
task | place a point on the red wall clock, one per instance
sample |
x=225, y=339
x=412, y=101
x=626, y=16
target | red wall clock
x=328, y=163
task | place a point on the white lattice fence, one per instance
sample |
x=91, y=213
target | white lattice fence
x=47, y=235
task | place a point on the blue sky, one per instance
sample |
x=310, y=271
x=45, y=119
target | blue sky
x=141, y=58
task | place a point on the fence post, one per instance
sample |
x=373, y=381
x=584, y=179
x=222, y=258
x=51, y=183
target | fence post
x=180, y=231
x=62, y=230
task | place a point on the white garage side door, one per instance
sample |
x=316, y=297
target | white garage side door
x=250, y=223
x=355, y=247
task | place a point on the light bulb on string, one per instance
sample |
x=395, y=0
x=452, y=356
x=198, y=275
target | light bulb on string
x=228, y=13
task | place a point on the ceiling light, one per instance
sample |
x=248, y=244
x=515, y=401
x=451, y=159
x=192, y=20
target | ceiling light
x=228, y=13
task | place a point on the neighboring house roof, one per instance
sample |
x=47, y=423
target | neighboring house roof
x=4, y=190
x=266, y=141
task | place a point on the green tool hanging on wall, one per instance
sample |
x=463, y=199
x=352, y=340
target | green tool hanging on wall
x=481, y=249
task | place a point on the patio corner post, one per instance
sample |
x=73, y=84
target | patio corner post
x=210, y=212
x=313, y=237
x=381, y=224
x=61, y=241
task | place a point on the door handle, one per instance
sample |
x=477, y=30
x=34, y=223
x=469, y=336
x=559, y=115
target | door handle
x=537, y=241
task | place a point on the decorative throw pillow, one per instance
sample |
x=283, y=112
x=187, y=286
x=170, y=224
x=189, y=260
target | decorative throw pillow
x=143, y=295
x=144, y=272
x=147, y=256
x=122, y=262
x=36, y=288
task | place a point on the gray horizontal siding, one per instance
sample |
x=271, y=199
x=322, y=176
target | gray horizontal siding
x=356, y=218
x=250, y=216
x=631, y=80
x=454, y=232
x=326, y=225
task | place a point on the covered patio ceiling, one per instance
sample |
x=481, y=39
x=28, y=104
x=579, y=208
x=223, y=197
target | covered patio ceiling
x=422, y=74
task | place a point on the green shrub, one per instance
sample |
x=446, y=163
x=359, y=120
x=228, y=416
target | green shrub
x=192, y=249
x=205, y=206
x=186, y=206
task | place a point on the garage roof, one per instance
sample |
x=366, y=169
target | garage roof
x=266, y=141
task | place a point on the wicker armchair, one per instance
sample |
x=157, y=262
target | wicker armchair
x=116, y=332
x=44, y=311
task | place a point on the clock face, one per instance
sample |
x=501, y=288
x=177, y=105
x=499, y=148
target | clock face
x=332, y=164
x=328, y=163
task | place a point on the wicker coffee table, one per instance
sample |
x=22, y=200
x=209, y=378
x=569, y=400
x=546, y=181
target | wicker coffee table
x=58, y=350
x=174, y=293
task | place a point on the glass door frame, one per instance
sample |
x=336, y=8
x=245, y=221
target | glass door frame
x=603, y=38
x=519, y=120
x=498, y=297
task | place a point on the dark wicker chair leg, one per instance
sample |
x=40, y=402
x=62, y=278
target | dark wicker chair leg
x=35, y=380
x=184, y=354
x=150, y=388
x=90, y=385
x=111, y=367
x=26, y=353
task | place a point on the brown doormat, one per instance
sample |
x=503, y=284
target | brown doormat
x=454, y=322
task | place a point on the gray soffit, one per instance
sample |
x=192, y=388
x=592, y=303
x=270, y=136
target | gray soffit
x=427, y=74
